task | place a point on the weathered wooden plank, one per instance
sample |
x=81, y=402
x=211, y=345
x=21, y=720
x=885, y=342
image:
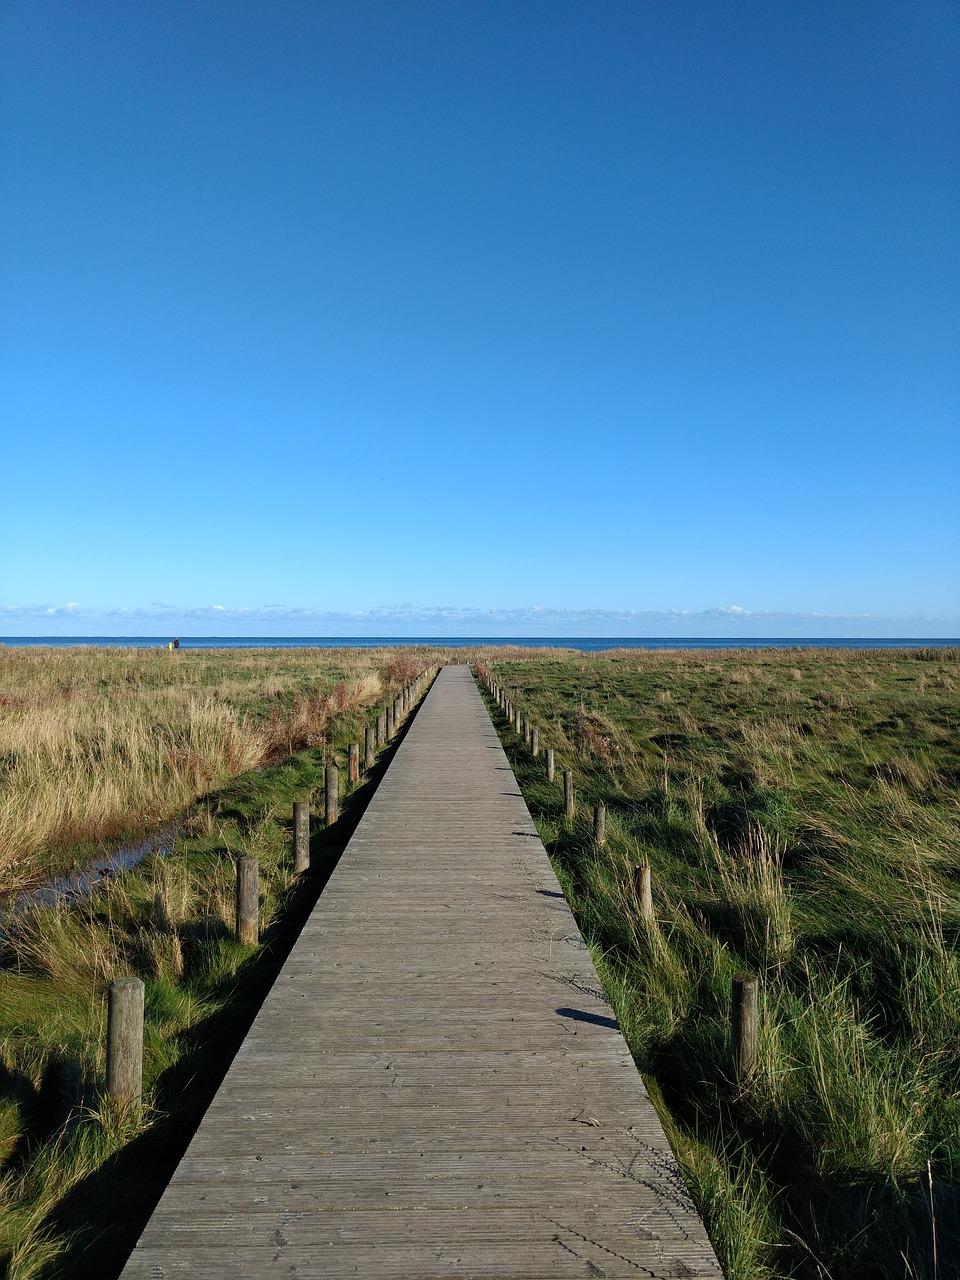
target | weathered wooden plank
x=435, y=1086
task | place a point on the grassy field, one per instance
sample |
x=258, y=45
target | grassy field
x=799, y=809
x=97, y=743
x=112, y=729
x=800, y=812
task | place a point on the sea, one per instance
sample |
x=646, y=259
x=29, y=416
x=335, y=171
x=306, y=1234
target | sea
x=589, y=644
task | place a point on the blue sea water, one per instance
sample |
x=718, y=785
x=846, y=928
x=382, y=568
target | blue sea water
x=585, y=643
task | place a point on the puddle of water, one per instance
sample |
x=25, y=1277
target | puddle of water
x=83, y=883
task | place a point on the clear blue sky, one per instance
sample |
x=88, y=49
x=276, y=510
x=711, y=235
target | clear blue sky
x=321, y=316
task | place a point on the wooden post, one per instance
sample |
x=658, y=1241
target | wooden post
x=551, y=773
x=331, y=787
x=644, y=890
x=600, y=822
x=743, y=1027
x=248, y=901
x=381, y=728
x=534, y=741
x=568, y=806
x=125, y=1040
x=353, y=762
x=369, y=747
x=398, y=712
x=390, y=724
x=517, y=722
x=301, y=836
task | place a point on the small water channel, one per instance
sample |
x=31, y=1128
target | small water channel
x=82, y=883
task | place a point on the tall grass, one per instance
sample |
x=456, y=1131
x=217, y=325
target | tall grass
x=97, y=743
x=77, y=1177
x=800, y=811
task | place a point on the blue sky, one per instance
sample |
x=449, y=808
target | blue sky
x=413, y=316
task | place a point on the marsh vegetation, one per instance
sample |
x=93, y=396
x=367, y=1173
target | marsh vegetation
x=800, y=812
x=101, y=742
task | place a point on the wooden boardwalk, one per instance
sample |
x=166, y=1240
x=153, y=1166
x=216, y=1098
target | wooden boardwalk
x=435, y=1086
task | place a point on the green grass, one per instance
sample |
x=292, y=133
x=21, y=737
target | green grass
x=78, y=1179
x=800, y=812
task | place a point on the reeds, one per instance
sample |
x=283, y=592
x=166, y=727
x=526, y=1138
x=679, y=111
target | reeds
x=69, y=1172
x=98, y=743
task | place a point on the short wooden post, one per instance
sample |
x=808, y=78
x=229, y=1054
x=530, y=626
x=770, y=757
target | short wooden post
x=644, y=890
x=568, y=806
x=534, y=741
x=331, y=789
x=125, y=1040
x=248, y=901
x=599, y=822
x=397, y=712
x=381, y=728
x=369, y=747
x=353, y=762
x=301, y=836
x=743, y=1027
x=517, y=723
x=390, y=724
x=551, y=772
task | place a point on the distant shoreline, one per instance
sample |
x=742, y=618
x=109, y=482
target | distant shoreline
x=587, y=643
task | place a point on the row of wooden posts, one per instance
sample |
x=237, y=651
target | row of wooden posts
x=743, y=1008
x=125, y=998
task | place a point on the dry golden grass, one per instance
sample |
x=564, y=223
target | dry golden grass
x=99, y=742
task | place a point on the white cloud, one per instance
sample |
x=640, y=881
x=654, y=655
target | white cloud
x=455, y=620
x=71, y=609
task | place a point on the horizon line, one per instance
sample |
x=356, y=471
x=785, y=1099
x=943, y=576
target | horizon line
x=480, y=639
